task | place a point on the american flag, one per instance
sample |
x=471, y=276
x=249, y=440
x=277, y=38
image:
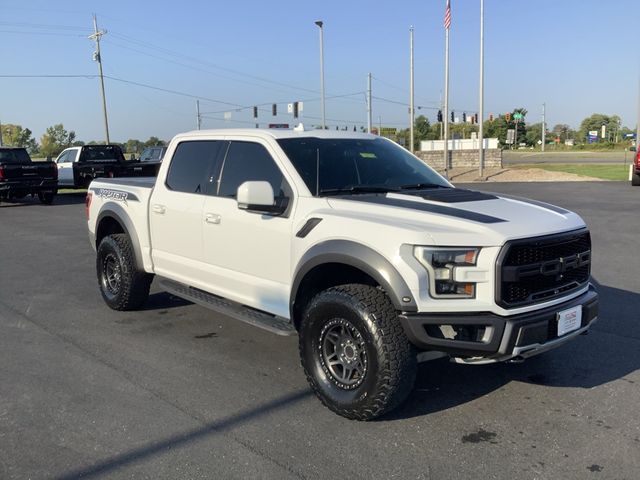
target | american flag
x=447, y=15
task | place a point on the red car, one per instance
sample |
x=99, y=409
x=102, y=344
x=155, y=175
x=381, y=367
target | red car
x=635, y=176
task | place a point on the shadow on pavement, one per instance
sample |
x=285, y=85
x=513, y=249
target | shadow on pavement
x=610, y=352
x=185, y=439
x=163, y=300
x=70, y=198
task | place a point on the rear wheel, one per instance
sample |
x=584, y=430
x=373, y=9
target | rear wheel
x=635, y=180
x=122, y=286
x=354, y=352
x=46, y=198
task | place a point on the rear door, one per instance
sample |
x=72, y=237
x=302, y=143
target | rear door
x=175, y=211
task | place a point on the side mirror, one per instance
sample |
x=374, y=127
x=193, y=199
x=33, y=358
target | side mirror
x=257, y=196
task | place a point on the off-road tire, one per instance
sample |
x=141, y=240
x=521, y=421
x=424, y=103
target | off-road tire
x=46, y=198
x=122, y=286
x=389, y=357
x=635, y=180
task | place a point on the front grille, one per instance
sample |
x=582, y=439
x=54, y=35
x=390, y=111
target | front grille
x=542, y=268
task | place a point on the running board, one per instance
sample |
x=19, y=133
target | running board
x=257, y=318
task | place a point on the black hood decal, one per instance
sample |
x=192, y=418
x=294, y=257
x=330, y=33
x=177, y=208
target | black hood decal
x=424, y=207
x=537, y=203
x=452, y=195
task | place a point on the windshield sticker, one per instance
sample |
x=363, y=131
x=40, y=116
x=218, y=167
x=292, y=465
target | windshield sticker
x=368, y=155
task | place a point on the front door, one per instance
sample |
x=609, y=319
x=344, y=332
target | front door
x=65, y=167
x=248, y=254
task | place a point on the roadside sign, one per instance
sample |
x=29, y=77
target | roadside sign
x=511, y=136
x=518, y=116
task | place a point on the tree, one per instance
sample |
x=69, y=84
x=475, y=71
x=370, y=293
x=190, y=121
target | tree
x=563, y=132
x=16, y=136
x=520, y=125
x=595, y=123
x=534, y=134
x=56, y=139
x=134, y=146
x=496, y=128
x=153, y=142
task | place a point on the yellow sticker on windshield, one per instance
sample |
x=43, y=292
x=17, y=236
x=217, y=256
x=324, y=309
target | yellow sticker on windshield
x=368, y=155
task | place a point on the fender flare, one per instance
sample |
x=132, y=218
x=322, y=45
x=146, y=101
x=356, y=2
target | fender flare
x=119, y=214
x=361, y=257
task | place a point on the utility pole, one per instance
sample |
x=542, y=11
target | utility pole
x=544, y=125
x=379, y=126
x=319, y=23
x=369, y=103
x=98, y=58
x=638, y=120
x=412, y=111
x=0, y=134
x=481, y=112
x=198, y=117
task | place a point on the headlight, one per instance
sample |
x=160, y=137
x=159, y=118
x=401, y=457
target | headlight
x=441, y=264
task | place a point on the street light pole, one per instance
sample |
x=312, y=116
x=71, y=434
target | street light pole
x=319, y=23
x=369, y=106
x=544, y=125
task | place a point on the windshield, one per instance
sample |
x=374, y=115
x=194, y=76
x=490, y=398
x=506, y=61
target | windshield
x=337, y=166
x=14, y=155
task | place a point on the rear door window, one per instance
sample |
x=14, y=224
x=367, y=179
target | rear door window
x=194, y=166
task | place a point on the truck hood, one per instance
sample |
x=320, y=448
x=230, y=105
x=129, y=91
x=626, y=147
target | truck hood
x=455, y=216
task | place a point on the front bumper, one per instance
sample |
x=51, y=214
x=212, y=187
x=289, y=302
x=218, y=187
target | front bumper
x=488, y=338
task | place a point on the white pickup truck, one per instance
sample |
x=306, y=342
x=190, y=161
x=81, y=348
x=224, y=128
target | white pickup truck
x=351, y=242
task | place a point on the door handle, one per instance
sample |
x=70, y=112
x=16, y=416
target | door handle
x=212, y=218
x=160, y=209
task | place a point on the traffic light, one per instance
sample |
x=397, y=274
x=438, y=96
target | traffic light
x=491, y=117
x=453, y=117
x=440, y=116
x=255, y=112
x=464, y=117
x=274, y=109
x=475, y=118
x=507, y=117
x=295, y=109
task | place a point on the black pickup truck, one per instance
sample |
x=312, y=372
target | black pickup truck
x=19, y=176
x=79, y=166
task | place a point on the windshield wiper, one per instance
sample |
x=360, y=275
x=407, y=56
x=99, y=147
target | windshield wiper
x=357, y=189
x=419, y=186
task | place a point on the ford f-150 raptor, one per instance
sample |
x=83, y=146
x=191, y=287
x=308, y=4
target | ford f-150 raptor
x=354, y=244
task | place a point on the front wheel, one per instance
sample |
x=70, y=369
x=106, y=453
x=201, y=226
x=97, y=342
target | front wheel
x=122, y=286
x=354, y=352
x=635, y=179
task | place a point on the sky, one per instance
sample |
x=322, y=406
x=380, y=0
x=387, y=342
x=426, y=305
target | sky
x=579, y=57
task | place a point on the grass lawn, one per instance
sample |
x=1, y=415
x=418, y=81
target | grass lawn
x=604, y=171
x=72, y=190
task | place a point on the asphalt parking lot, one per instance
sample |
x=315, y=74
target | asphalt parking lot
x=176, y=391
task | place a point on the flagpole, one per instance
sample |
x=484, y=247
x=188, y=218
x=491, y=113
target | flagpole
x=481, y=112
x=447, y=24
x=411, y=98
